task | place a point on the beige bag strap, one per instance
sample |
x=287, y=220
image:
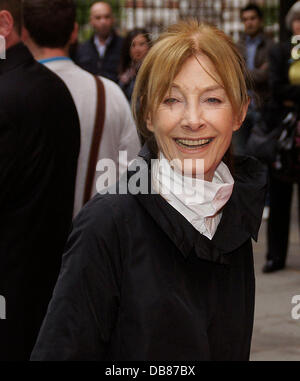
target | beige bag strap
x=96, y=139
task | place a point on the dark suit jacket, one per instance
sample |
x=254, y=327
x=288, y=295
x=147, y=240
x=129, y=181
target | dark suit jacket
x=259, y=75
x=39, y=146
x=88, y=58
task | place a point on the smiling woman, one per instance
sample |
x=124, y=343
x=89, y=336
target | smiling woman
x=168, y=275
x=196, y=119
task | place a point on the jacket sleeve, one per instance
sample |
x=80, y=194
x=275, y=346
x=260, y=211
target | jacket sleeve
x=84, y=307
x=281, y=89
x=260, y=75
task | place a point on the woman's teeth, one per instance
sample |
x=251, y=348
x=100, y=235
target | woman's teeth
x=192, y=143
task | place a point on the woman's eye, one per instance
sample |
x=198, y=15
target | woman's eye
x=213, y=100
x=170, y=101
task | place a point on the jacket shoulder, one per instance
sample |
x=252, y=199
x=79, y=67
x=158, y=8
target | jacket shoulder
x=248, y=168
x=108, y=211
x=85, y=50
x=86, y=45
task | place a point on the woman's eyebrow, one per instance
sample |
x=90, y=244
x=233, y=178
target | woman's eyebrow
x=213, y=88
x=203, y=90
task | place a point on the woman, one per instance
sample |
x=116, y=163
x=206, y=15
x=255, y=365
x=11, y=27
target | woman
x=135, y=47
x=285, y=88
x=159, y=273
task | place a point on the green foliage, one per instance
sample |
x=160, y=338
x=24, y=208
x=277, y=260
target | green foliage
x=271, y=15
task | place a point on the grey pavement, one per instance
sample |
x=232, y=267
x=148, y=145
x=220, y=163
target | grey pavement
x=276, y=335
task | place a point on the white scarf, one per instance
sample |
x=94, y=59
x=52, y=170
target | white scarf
x=199, y=201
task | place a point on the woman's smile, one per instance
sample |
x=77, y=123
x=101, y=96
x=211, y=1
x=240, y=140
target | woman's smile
x=192, y=145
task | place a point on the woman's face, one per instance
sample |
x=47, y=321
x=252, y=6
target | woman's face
x=139, y=48
x=296, y=27
x=195, y=119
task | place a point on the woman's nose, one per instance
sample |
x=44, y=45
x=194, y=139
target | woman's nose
x=193, y=117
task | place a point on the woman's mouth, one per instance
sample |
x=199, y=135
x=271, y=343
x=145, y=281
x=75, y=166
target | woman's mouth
x=192, y=143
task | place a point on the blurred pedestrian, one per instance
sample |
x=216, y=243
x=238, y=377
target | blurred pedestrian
x=165, y=271
x=255, y=46
x=39, y=147
x=101, y=54
x=50, y=29
x=135, y=47
x=285, y=87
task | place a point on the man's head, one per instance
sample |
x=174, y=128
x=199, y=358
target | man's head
x=50, y=23
x=252, y=18
x=10, y=21
x=102, y=19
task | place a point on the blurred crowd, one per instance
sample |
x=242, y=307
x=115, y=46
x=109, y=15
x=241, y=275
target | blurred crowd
x=80, y=95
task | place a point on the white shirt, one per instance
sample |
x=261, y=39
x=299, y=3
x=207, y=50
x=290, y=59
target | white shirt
x=101, y=48
x=199, y=201
x=119, y=132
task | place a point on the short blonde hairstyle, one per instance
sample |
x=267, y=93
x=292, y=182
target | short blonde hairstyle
x=166, y=58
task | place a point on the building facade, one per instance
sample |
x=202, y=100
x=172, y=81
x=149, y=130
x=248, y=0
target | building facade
x=155, y=15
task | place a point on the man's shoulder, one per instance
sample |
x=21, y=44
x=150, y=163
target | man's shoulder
x=88, y=44
x=86, y=48
x=267, y=40
x=50, y=86
x=116, y=43
x=118, y=39
x=112, y=88
x=33, y=81
x=72, y=73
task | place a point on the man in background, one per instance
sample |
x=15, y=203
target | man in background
x=39, y=146
x=255, y=45
x=50, y=29
x=101, y=54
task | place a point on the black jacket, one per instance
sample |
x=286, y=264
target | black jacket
x=39, y=146
x=138, y=282
x=88, y=58
x=259, y=75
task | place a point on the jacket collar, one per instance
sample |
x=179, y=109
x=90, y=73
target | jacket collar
x=16, y=56
x=240, y=220
x=111, y=39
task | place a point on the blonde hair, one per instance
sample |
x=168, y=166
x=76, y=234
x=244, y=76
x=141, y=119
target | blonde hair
x=166, y=58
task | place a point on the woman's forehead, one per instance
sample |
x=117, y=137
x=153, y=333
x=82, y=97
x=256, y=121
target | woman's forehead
x=198, y=70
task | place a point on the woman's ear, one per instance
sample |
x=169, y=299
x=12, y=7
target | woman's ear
x=149, y=123
x=240, y=119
